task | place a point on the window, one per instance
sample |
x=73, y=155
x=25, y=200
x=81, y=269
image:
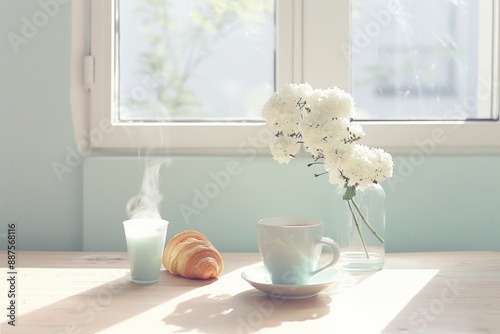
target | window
x=191, y=60
x=416, y=60
x=418, y=71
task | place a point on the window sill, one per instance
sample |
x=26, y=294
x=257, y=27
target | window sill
x=251, y=139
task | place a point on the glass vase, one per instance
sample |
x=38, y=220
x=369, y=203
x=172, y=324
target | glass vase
x=359, y=229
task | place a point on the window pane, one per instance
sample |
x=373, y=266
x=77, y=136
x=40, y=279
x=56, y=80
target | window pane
x=194, y=60
x=415, y=60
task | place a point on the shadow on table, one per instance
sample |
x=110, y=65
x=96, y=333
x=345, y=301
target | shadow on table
x=246, y=312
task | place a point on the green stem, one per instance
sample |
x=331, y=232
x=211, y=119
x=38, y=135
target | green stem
x=366, y=222
x=357, y=227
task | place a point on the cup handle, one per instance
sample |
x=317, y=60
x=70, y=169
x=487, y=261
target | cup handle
x=325, y=241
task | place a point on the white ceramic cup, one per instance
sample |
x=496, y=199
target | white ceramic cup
x=145, y=244
x=291, y=247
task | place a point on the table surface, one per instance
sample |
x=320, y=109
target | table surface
x=81, y=292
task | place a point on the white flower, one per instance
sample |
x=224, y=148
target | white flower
x=321, y=119
x=336, y=157
x=363, y=165
x=280, y=111
x=333, y=103
x=284, y=148
x=334, y=177
x=356, y=130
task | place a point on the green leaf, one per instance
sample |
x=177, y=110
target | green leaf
x=350, y=192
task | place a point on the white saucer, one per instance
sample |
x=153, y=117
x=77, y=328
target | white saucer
x=258, y=277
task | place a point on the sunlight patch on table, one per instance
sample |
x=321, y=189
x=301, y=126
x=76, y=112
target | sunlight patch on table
x=47, y=286
x=378, y=298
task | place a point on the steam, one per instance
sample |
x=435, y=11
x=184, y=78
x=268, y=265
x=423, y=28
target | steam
x=146, y=203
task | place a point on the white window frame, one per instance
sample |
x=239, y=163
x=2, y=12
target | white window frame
x=302, y=55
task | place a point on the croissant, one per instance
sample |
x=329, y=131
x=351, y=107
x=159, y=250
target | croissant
x=190, y=254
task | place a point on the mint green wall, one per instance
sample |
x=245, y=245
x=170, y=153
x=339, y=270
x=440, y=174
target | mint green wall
x=444, y=203
x=35, y=128
x=436, y=203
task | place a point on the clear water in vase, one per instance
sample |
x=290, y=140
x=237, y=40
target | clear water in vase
x=362, y=247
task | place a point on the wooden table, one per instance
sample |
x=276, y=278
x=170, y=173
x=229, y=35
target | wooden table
x=75, y=292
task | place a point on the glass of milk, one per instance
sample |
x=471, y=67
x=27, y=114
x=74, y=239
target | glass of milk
x=145, y=244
